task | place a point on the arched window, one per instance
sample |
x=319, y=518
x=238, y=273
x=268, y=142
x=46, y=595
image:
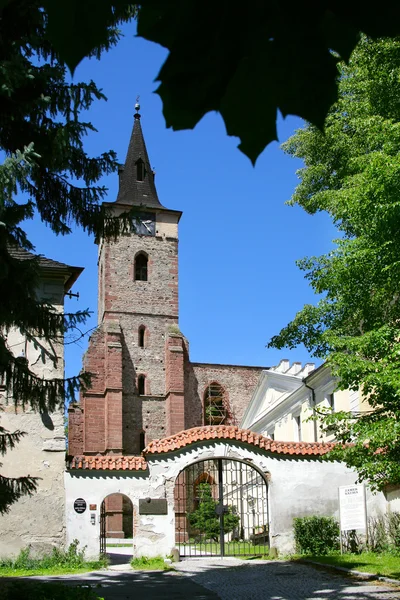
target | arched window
x=141, y=334
x=139, y=170
x=142, y=441
x=141, y=261
x=215, y=411
x=141, y=385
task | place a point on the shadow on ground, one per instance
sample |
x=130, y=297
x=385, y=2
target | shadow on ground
x=225, y=580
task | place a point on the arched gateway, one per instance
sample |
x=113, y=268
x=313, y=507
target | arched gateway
x=207, y=490
x=221, y=509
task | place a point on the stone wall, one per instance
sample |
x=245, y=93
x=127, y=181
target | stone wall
x=237, y=381
x=39, y=520
x=297, y=486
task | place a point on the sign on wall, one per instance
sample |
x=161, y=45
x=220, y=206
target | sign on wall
x=352, y=507
x=80, y=505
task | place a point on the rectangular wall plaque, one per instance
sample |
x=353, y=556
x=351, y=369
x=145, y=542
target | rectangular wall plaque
x=153, y=506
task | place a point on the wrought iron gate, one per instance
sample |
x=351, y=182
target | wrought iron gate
x=221, y=509
x=103, y=528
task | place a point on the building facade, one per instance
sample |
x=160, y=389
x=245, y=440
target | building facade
x=37, y=521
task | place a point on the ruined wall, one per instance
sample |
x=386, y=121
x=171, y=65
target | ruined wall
x=39, y=520
x=238, y=382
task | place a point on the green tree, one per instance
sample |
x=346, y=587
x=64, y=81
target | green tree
x=205, y=519
x=246, y=61
x=47, y=174
x=353, y=173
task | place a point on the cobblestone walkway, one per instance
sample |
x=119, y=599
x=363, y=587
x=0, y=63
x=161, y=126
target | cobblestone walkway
x=232, y=579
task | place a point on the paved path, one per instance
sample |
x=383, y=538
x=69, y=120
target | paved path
x=230, y=579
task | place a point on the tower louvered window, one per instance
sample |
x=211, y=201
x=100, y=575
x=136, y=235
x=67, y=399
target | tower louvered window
x=139, y=170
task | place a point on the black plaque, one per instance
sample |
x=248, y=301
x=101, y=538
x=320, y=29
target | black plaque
x=153, y=506
x=80, y=505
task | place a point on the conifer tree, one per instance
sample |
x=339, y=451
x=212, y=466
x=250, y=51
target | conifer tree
x=46, y=174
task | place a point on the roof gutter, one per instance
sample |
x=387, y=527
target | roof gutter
x=314, y=403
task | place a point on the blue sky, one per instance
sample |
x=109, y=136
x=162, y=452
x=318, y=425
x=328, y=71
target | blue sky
x=238, y=240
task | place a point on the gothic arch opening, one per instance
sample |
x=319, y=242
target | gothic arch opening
x=141, y=336
x=141, y=266
x=141, y=384
x=116, y=520
x=215, y=405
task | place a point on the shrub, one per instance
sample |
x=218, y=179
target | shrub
x=72, y=558
x=377, y=534
x=393, y=530
x=316, y=535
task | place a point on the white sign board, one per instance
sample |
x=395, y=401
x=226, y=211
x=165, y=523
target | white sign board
x=353, y=512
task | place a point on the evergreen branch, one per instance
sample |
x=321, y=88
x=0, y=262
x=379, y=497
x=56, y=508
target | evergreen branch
x=9, y=440
x=13, y=488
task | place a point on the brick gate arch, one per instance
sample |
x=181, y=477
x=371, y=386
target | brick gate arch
x=221, y=509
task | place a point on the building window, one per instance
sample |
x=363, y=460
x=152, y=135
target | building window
x=331, y=401
x=297, y=424
x=141, y=334
x=215, y=412
x=142, y=441
x=141, y=385
x=141, y=261
x=139, y=170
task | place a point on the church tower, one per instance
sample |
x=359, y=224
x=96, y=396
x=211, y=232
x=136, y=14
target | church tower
x=136, y=354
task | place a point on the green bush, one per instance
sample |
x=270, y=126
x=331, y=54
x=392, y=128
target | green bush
x=316, y=535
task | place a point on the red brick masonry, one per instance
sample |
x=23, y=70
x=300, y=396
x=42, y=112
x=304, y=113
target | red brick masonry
x=191, y=436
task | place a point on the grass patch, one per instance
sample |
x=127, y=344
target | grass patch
x=383, y=564
x=59, y=562
x=120, y=545
x=231, y=548
x=21, y=590
x=156, y=563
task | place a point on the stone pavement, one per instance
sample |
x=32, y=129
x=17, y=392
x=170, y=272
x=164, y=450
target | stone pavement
x=233, y=579
x=230, y=579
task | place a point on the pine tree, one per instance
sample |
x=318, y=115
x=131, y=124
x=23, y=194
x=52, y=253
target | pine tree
x=46, y=174
x=205, y=518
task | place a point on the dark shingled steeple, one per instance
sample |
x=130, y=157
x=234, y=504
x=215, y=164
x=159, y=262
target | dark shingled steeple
x=136, y=178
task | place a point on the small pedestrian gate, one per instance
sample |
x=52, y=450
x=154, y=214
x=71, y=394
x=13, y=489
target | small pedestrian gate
x=221, y=509
x=103, y=528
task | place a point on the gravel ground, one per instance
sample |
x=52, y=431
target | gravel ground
x=233, y=579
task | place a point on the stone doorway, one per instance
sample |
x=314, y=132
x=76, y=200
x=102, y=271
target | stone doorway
x=116, y=524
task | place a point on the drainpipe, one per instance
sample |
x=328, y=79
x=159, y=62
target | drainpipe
x=313, y=409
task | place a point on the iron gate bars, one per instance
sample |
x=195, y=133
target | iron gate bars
x=221, y=509
x=103, y=528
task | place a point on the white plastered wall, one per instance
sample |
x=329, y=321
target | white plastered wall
x=297, y=487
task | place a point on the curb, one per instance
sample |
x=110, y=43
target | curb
x=361, y=574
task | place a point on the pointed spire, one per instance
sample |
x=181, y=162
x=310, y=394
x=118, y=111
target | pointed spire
x=136, y=177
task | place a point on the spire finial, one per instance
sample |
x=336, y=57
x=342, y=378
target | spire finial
x=137, y=108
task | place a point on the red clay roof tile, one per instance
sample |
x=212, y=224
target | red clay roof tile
x=191, y=436
x=226, y=432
